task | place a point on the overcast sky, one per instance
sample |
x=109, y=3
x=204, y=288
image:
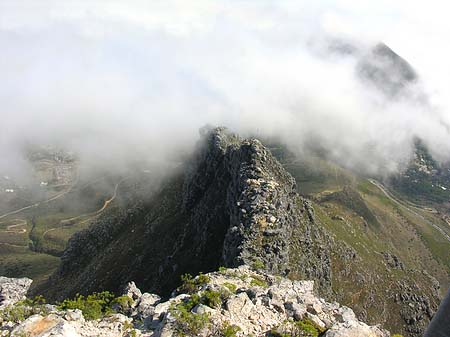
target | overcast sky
x=121, y=78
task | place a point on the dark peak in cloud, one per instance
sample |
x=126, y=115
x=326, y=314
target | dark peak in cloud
x=387, y=71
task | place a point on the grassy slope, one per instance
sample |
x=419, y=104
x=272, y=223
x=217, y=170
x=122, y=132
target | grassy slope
x=367, y=283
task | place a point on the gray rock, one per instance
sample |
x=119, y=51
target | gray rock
x=146, y=305
x=316, y=320
x=13, y=290
x=203, y=309
x=296, y=310
x=240, y=305
x=344, y=315
x=74, y=315
x=132, y=291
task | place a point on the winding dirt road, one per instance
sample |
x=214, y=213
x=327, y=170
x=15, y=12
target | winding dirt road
x=408, y=207
x=11, y=229
x=91, y=215
x=18, y=223
x=40, y=202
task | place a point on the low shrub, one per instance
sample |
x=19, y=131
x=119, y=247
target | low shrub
x=258, y=264
x=191, y=285
x=231, y=287
x=228, y=330
x=258, y=282
x=187, y=322
x=94, y=306
x=303, y=328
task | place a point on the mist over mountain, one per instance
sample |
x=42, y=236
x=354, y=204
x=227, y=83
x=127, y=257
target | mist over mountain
x=113, y=82
x=306, y=146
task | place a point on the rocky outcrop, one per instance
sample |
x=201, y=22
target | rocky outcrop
x=13, y=290
x=238, y=301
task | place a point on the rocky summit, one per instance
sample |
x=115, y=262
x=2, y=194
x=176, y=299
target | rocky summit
x=230, y=302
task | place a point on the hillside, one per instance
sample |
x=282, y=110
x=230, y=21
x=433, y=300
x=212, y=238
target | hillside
x=393, y=238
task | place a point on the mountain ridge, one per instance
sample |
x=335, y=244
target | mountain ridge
x=233, y=203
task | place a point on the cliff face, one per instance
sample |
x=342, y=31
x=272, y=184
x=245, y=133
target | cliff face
x=234, y=204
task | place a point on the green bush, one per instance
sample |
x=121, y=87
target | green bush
x=228, y=330
x=191, y=285
x=303, y=328
x=397, y=335
x=94, y=306
x=211, y=298
x=308, y=328
x=124, y=302
x=187, y=322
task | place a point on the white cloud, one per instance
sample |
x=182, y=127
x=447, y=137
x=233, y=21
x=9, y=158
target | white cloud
x=110, y=76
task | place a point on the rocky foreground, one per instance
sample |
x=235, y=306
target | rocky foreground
x=230, y=302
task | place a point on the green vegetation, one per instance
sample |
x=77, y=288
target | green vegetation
x=258, y=282
x=187, y=322
x=303, y=328
x=23, y=309
x=212, y=298
x=129, y=329
x=230, y=286
x=191, y=324
x=231, y=273
x=228, y=330
x=96, y=305
x=275, y=333
x=396, y=335
x=191, y=285
x=123, y=302
x=352, y=200
x=308, y=328
x=21, y=262
x=258, y=264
